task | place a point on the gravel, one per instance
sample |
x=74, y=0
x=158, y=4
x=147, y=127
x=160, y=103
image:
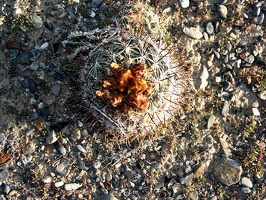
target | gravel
x=52, y=146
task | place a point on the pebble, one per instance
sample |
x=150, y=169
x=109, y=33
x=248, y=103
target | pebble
x=187, y=179
x=262, y=95
x=258, y=19
x=105, y=197
x=70, y=11
x=128, y=174
x=59, y=184
x=37, y=20
x=63, y=169
x=246, y=182
x=203, y=77
x=33, y=87
x=210, y=121
x=81, y=149
x=72, y=186
x=81, y=164
x=49, y=100
x=30, y=148
x=222, y=11
x=245, y=190
x=184, y=3
x=249, y=59
x=225, y=109
x=96, y=3
x=55, y=90
x=209, y=28
x=49, y=26
x=97, y=164
x=5, y=188
x=24, y=58
x=35, y=53
x=13, y=53
x=193, y=195
x=255, y=111
x=193, y=32
x=44, y=45
x=51, y=137
x=228, y=171
x=4, y=174
x=256, y=11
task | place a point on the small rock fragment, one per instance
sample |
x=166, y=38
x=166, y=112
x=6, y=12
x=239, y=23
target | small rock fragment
x=210, y=121
x=193, y=32
x=227, y=171
x=204, y=76
x=187, y=179
x=262, y=95
x=225, y=109
x=184, y=3
x=59, y=184
x=55, y=90
x=97, y=164
x=255, y=111
x=209, y=28
x=51, y=137
x=37, y=20
x=72, y=186
x=222, y=11
x=246, y=182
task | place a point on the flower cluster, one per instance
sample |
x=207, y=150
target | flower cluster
x=126, y=88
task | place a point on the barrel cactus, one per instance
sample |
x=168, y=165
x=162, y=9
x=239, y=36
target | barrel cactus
x=130, y=78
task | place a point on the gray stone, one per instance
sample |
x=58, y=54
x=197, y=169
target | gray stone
x=193, y=32
x=227, y=171
x=24, y=58
x=105, y=197
x=249, y=59
x=256, y=11
x=4, y=174
x=128, y=174
x=209, y=28
x=225, y=109
x=262, y=95
x=184, y=3
x=63, y=169
x=13, y=53
x=258, y=19
x=187, y=179
x=245, y=190
x=246, y=182
x=37, y=20
x=55, y=90
x=222, y=11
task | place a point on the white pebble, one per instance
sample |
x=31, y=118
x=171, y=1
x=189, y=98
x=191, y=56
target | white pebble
x=72, y=186
x=256, y=111
x=44, y=46
x=184, y=3
x=59, y=184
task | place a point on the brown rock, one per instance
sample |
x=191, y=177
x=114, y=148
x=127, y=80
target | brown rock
x=12, y=44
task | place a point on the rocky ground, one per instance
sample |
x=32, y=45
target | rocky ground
x=214, y=150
